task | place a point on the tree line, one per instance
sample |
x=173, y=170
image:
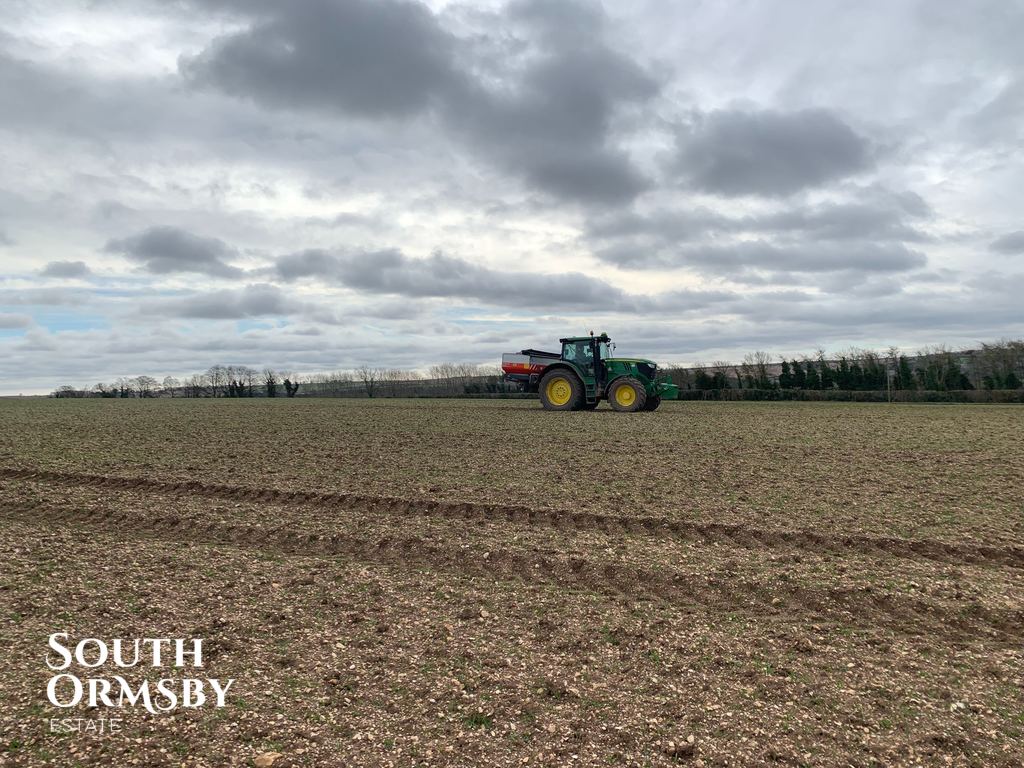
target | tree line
x=215, y=381
x=995, y=366
x=443, y=379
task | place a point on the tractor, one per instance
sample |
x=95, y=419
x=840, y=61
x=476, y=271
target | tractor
x=585, y=373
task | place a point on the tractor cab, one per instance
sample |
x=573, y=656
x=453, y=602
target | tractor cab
x=587, y=353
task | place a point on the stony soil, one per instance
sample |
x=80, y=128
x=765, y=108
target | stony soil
x=482, y=583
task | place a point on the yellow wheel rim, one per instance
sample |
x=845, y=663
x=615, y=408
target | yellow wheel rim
x=559, y=391
x=625, y=395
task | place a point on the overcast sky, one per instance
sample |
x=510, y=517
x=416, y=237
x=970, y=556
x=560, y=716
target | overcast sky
x=317, y=185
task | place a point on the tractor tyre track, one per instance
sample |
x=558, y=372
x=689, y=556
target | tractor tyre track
x=903, y=614
x=740, y=536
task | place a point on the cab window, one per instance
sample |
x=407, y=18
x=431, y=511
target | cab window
x=579, y=352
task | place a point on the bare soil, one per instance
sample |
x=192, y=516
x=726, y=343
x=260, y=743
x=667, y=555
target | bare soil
x=484, y=583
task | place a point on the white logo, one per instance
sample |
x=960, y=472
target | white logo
x=70, y=687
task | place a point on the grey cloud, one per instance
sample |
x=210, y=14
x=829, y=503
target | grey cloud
x=38, y=340
x=859, y=257
x=806, y=258
x=53, y=297
x=375, y=58
x=682, y=302
x=446, y=277
x=842, y=221
x=396, y=309
x=554, y=131
x=769, y=153
x=1012, y=242
x=743, y=256
x=865, y=234
x=936, y=312
x=108, y=210
x=493, y=338
x=5, y=239
x=631, y=229
x=12, y=321
x=46, y=98
x=1000, y=118
x=882, y=217
x=309, y=263
x=554, y=124
x=123, y=120
x=305, y=330
x=345, y=219
x=540, y=108
x=258, y=300
x=165, y=250
x=858, y=286
x=440, y=276
x=560, y=19
x=70, y=269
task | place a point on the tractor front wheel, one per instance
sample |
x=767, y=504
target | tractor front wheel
x=627, y=394
x=653, y=403
x=561, y=391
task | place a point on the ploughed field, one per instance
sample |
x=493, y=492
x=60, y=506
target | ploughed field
x=456, y=582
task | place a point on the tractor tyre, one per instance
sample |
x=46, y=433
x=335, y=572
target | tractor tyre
x=627, y=395
x=652, y=403
x=561, y=390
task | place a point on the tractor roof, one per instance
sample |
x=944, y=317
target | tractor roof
x=600, y=337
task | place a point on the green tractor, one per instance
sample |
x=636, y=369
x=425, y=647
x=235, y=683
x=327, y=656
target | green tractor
x=585, y=373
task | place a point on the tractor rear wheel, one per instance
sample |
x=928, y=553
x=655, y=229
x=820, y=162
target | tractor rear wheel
x=653, y=403
x=561, y=390
x=627, y=394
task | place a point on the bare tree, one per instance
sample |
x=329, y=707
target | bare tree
x=195, y=386
x=171, y=385
x=446, y=375
x=722, y=367
x=240, y=380
x=145, y=385
x=270, y=382
x=755, y=370
x=369, y=376
x=892, y=357
x=125, y=387
x=66, y=390
x=216, y=378
x=335, y=382
x=392, y=379
x=234, y=376
x=249, y=377
x=290, y=387
x=1000, y=365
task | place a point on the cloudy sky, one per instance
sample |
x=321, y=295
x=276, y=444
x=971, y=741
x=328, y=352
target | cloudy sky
x=315, y=185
